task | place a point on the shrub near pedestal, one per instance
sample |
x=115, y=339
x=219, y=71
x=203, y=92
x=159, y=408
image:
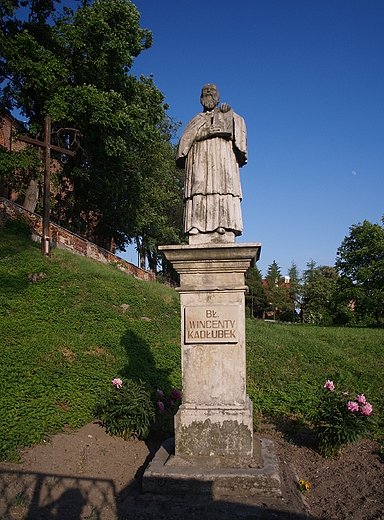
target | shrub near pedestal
x=340, y=420
x=126, y=410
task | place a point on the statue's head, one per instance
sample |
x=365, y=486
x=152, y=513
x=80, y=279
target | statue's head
x=210, y=97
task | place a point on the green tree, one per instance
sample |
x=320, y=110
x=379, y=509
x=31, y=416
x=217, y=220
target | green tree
x=277, y=292
x=360, y=263
x=318, y=291
x=256, y=297
x=18, y=169
x=160, y=219
x=76, y=69
x=294, y=290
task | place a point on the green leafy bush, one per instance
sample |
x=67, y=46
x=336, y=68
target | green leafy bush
x=339, y=421
x=126, y=410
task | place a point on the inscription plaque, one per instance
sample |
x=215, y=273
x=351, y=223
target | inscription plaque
x=211, y=324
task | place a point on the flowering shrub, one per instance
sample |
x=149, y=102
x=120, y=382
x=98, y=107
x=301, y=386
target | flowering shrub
x=167, y=402
x=329, y=384
x=126, y=410
x=166, y=407
x=340, y=420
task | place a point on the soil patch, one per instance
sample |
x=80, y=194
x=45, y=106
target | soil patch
x=89, y=475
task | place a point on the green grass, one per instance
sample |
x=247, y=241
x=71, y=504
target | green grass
x=289, y=364
x=64, y=338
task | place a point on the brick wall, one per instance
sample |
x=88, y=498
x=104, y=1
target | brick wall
x=9, y=127
x=64, y=239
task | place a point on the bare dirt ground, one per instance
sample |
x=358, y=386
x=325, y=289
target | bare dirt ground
x=89, y=475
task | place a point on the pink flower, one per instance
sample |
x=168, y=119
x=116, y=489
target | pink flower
x=329, y=384
x=361, y=399
x=353, y=406
x=160, y=405
x=117, y=382
x=366, y=409
x=160, y=392
x=176, y=394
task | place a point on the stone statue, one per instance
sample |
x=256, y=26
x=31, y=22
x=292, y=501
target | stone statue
x=211, y=149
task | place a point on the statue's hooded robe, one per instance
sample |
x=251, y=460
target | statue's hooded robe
x=212, y=179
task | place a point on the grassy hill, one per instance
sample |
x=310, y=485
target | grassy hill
x=289, y=364
x=65, y=336
x=69, y=325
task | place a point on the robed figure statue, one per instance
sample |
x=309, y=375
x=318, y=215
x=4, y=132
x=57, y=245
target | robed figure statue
x=211, y=150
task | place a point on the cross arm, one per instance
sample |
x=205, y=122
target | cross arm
x=42, y=144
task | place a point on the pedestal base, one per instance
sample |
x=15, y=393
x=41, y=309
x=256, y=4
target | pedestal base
x=216, y=436
x=214, y=425
x=169, y=475
x=228, y=237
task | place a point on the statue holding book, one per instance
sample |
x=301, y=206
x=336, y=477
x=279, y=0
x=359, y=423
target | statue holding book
x=211, y=150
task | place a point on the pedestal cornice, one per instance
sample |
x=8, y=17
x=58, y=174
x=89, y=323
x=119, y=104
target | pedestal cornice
x=212, y=267
x=208, y=252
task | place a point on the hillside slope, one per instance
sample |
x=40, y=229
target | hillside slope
x=68, y=325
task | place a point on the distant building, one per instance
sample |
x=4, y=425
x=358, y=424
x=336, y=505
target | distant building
x=9, y=128
x=273, y=311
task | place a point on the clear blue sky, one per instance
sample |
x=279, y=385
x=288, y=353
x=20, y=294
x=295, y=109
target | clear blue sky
x=308, y=78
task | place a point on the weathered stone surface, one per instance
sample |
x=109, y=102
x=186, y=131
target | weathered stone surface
x=215, y=323
x=217, y=267
x=215, y=420
x=170, y=475
x=222, y=433
x=211, y=150
x=214, y=425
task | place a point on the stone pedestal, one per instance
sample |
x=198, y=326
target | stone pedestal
x=214, y=425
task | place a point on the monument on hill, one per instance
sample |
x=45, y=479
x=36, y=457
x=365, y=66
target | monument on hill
x=214, y=425
x=215, y=420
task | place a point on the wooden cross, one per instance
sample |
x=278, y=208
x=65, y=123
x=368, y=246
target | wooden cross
x=46, y=144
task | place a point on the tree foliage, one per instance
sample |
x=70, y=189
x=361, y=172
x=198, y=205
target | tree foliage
x=318, y=290
x=75, y=67
x=294, y=290
x=360, y=263
x=256, y=297
x=277, y=292
x=20, y=167
x=350, y=292
x=160, y=218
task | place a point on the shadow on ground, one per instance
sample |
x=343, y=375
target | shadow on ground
x=68, y=497
x=295, y=431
